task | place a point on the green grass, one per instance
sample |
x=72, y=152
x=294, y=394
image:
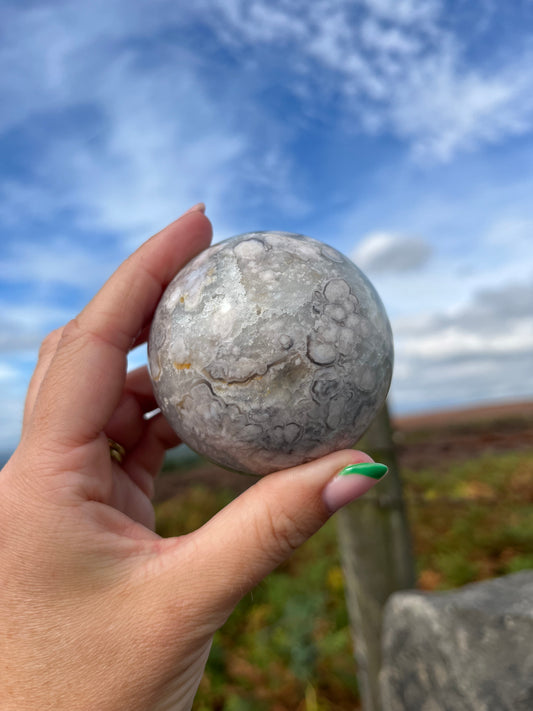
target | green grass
x=288, y=642
x=287, y=647
x=473, y=520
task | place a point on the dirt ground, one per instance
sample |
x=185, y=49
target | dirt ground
x=421, y=441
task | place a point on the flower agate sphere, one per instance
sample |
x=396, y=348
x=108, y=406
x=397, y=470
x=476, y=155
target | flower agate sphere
x=268, y=350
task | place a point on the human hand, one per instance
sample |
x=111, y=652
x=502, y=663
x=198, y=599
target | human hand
x=96, y=610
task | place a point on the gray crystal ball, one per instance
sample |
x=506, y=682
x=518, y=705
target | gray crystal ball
x=268, y=350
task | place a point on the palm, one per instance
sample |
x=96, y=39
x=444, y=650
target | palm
x=128, y=498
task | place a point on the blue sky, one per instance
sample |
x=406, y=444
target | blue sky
x=399, y=131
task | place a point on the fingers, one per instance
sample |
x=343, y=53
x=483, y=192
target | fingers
x=145, y=440
x=84, y=381
x=46, y=353
x=127, y=423
x=145, y=459
x=263, y=526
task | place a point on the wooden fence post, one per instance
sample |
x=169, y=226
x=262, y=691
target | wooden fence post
x=377, y=557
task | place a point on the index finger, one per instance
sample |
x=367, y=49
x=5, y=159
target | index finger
x=85, y=379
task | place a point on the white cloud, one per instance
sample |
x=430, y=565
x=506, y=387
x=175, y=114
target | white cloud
x=165, y=142
x=388, y=252
x=512, y=232
x=270, y=23
x=464, y=108
x=60, y=261
x=164, y=133
x=7, y=372
x=456, y=343
x=462, y=324
x=162, y=144
x=422, y=386
x=20, y=201
x=480, y=350
x=399, y=66
x=395, y=41
x=24, y=325
x=405, y=11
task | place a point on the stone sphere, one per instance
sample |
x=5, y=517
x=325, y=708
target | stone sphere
x=268, y=350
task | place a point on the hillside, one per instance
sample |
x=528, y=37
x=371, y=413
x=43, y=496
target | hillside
x=422, y=440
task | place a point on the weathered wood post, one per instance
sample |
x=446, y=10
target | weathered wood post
x=377, y=557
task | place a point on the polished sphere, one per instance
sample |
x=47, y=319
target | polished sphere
x=268, y=350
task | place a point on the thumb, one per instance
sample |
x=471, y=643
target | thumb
x=262, y=527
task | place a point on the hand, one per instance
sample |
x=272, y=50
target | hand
x=96, y=610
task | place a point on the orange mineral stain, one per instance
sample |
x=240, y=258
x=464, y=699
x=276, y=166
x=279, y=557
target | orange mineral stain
x=181, y=366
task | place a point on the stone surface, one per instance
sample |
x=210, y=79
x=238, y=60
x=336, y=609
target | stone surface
x=268, y=350
x=469, y=649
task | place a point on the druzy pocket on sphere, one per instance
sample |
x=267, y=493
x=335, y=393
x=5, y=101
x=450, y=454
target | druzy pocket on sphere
x=268, y=350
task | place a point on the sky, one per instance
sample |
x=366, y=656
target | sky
x=398, y=131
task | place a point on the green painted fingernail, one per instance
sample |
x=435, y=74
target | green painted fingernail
x=371, y=469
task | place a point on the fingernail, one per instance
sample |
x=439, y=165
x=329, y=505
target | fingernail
x=199, y=207
x=371, y=469
x=352, y=482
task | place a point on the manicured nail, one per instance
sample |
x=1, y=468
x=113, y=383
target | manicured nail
x=371, y=469
x=199, y=207
x=352, y=482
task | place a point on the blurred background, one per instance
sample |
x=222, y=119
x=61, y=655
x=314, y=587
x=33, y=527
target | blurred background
x=398, y=131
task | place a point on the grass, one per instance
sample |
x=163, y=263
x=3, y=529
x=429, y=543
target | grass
x=287, y=647
x=473, y=520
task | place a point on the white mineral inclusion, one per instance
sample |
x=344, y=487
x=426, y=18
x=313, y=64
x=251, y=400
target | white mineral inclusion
x=268, y=350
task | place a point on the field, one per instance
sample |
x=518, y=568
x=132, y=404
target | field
x=468, y=479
